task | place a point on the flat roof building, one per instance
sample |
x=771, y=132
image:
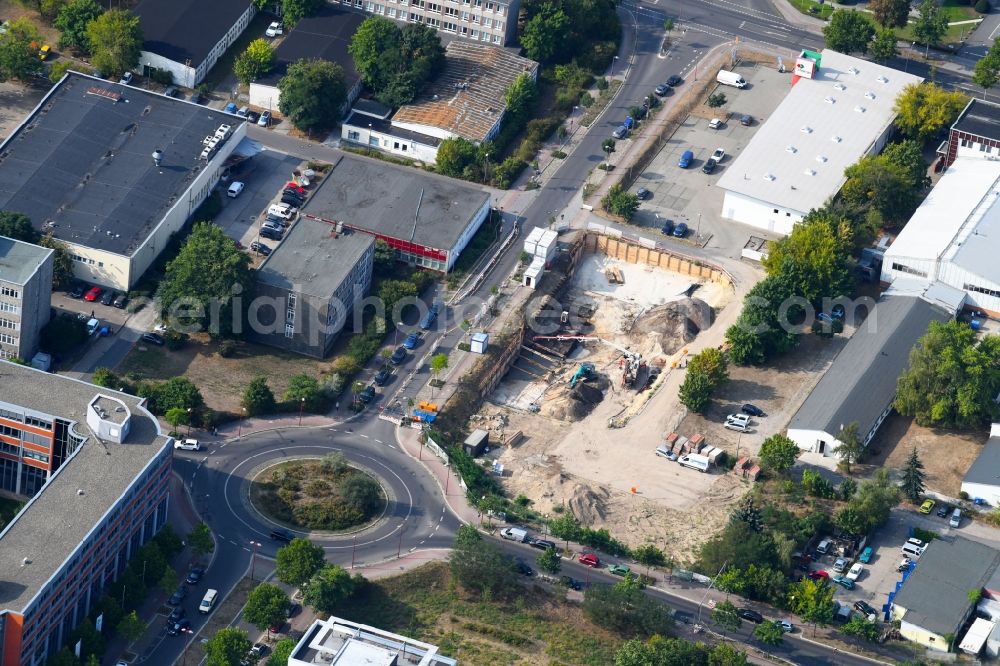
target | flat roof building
x=82, y=167
x=339, y=642
x=975, y=133
x=324, y=36
x=952, y=236
x=95, y=469
x=933, y=603
x=309, y=286
x=187, y=37
x=486, y=21
x=427, y=219
x=982, y=481
x=25, y=296
x=839, y=109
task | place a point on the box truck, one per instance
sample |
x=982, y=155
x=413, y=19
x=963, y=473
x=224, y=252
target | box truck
x=727, y=78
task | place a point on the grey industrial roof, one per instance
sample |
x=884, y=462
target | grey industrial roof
x=19, y=260
x=407, y=204
x=325, y=36
x=83, y=161
x=312, y=259
x=370, y=107
x=936, y=593
x=58, y=518
x=182, y=30
x=981, y=118
x=986, y=468
x=861, y=382
x=976, y=252
x=361, y=120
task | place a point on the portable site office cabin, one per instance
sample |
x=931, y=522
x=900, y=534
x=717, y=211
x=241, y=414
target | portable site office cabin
x=477, y=442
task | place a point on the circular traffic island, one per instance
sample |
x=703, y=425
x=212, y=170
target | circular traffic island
x=321, y=494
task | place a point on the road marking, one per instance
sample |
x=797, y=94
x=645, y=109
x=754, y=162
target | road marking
x=437, y=526
x=379, y=441
x=365, y=436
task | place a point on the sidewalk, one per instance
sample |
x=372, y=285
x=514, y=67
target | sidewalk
x=448, y=481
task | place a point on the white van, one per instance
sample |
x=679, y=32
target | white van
x=514, y=534
x=956, y=518
x=911, y=551
x=731, y=79
x=208, y=602
x=694, y=461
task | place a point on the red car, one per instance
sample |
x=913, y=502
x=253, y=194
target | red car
x=590, y=560
x=290, y=185
x=93, y=294
x=818, y=574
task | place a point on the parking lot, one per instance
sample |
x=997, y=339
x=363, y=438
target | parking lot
x=688, y=195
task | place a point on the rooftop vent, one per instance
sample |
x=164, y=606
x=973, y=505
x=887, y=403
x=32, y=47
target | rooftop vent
x=806, y=129
x=810, y=172
x=79, y=491
x=769, y=177
x=840, y=86
x=835, y=139
x=791, y=149
x=854, y=71
x=25, y=562
x=882, y=79
x=870, y=95
x=157, y=157
x=830, y=100
x=821, y=159
x=859, y=109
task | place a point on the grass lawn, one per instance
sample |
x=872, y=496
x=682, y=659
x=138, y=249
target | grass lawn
x=536, y=627
x=221, y=380
x=480, y=242
x=812, y=8
x=955, y=35
x=955, y=10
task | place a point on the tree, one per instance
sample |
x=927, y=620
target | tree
x=313, y=93
x=812, y=601
x=385, y=256
x=769, y=633
x=952, y=378
x=931, y=24
x=851, y=520
x=200, y=539
x=169, y=581
x=64, y=657
x=395, y=62
x=747, y=512
x=72, y=22
x=739, y=546
x=851, y=448
x=256, y=61
x=266, y=606
x=479, y=565
x=227, y=647
x=115, y=40
x=292, y=11
x=619, y=201
x=376, y=53
x=724, y=615
x=131, y=627
x=724, y=654
x=883, y=46
x=361, y=492
x=258, y=398
x=546, y=33
x=695, y=392
x=925, y=109
x=298, y=562
x=848, y=31
x=19, y=50
x=281, y=652
x=890, y=13
x=778, y=453
x=860, y=627
x=328, y=588
x=706, y=371
x=17, y=226
x=913, y=477
x=62, y=262
x=201, y=280
x=649, y=555
x=454, y=156
x=439, y=362
x=58, y=69
x=987, y=68
x=519, y=100
x=625, y=608
x=763, y=329
x=176, y=392
x=303, y=389
x=815, y=258
x=549, y=561
x=875, y=499
x=176, y=416
x=875, y=182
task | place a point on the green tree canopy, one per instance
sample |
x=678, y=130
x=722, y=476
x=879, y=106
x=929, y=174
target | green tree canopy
x=18, y=226
x=890, y=13
x=266, y=606
x=912, y=485
x=549, y=561
x=952, y=378
x=258, y=398
x=395, y=62
x=293, y=11
x=19, y=50
x=988, y=67
x=883, y=46
x=724, y=614
x=851, y=448
x=778, y=453
x=72, y=22
x=883, y=184
x=175, y=393
x=256, y=61
x=925, y=109
x=625, y=609
x=478, y=565
x=724, y=654
x=769, y=633
x=848, y=31
x=815, y=258
x=131, y=627
x=455, y=155
x=812, y=601
x=281, y=652
x=737, y=545
x=115, y=40
x=546, y=33
x=695, y=392
x=200, y=539
x=328, y=588
x=298, y=562
x=619, y=201
x=227, y=647
x=202, y=279
x=520, y=99
x=746, y=511
x=303, y=390
x=931, y=24
x=62, y=263
x=761, y=332
x=313, y=92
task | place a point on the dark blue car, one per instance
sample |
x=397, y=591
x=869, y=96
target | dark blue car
x=411, y=341
x=681, y=230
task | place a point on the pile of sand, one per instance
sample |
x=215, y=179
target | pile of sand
x=666, y=328
x=573, y=404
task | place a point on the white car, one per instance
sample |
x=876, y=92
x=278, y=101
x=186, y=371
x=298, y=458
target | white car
x=283, y=211
x=274, y=29
x=855, y=571
x=786, y=626
x=126, y=79
x=715, y=123
x=187, y=445
x=718, y=154
x=234, y=189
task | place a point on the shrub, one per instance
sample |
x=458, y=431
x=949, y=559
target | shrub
x=227, y=348
x=963, y=495
x=507, y=171
x=602, y=83
x=983, y=6
x=345, y=366
x=716, y=100
x=586, y=101
x=162, y=76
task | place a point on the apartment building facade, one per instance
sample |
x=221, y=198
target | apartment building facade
x=25, y=296
x=487, y=21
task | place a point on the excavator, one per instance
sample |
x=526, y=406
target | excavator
x=631, y=361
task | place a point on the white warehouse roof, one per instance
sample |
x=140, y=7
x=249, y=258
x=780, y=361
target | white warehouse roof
x=956, y=220
x=797, y=159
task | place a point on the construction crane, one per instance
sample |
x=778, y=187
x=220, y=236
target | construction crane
x=631, y=362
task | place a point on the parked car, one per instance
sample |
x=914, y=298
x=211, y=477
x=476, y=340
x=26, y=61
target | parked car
x=542, y=544
x=235, y=188
x=264, y=120
x=662, y=90
x=752, y=410
x=108, y=298
x=398, y=356
x=844, y=581
x=681, y=230
x=176, y=613
x=686, y=158
x=367, y=395
x=171, y=91
x=411, y=340
x=126, y=79
x=571, y=582
x=746, y=120
x=674, y=81
x=230, y=108
x=522, y=568
x=153, y=339
x=178, y=596
x=243, y=111
x=260, y=248
x=187, y=444
x=618, y=569
x=856, y=571
x=274, y=29
x=590, y=560
x=718, y=154
x=253, y=117
x=272, y=234
x=709, y=166
x=839, y=565
x=904, y=564
x=194, y=576
x=197, y=98
x=93, y=294
x=817, y=574
x=786, y=626
x=926, y=507
x=866, y=555
x=620, y=132
x=121, y=300
x=668, y=228
x=281, y=534
x=716, y=123
x=382, y=376
x=44, y=52
x=643, y=193
x=78, y=290
x=292, y=610
x=736, y=427
x=865, y=608
x=666, y=453
x=176, y=628
x=944, y=510
x=750, y=615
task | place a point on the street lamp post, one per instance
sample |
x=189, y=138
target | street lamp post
x=243, y=415
x=399, y=546
x=302, y=405
x=253, y=557
x=697, y=231
x=189, y=421
x=486, y=169
x=395, y=334
x=613, y=66
x=354, y=550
